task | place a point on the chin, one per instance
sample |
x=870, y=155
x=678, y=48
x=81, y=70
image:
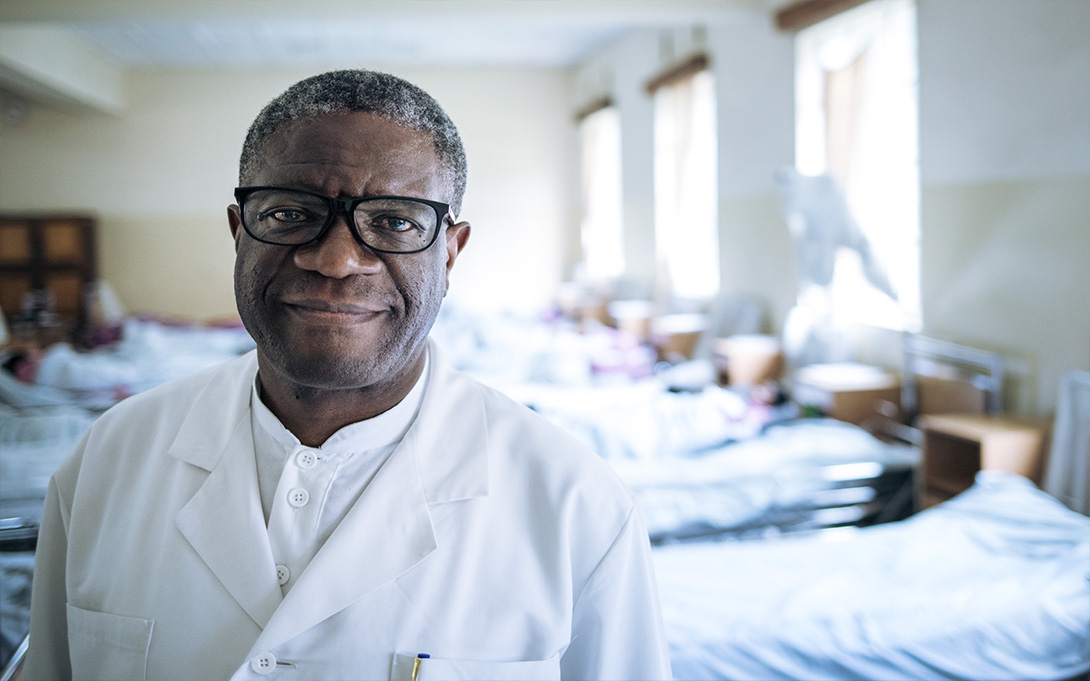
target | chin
x=329, y=373
x=336, y=367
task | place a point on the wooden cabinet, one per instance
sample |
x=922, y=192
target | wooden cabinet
x=956, y=446
x=46, y=264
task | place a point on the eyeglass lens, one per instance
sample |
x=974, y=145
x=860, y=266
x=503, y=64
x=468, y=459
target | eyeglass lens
x=290, y=218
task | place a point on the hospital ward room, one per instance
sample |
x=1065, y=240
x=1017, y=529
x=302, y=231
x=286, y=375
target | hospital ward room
x=811, y=276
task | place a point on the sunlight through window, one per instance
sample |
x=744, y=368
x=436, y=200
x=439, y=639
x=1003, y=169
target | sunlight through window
x=857, y=122
x=686, y=207
x=600, y=140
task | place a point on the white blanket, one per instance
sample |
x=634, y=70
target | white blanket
x=994, y=584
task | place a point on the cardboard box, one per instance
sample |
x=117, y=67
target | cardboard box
x=744, y=360
x=675, y=336
x=633, y=317
x=846, y=391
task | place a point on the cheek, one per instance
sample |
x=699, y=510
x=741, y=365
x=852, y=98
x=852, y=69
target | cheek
x=254, y=268
x=244, y=272
x=424, y=284
x=437, y=276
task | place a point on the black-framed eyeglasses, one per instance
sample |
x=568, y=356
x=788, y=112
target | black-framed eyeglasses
x=292, y=217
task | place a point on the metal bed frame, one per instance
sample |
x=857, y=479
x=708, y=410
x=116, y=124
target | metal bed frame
x=982, y=369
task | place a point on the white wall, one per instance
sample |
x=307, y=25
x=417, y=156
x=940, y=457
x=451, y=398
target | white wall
x=755, y=79
x=1005, y=94
x=159, y=176
x=1005, y=184
x=753, y=67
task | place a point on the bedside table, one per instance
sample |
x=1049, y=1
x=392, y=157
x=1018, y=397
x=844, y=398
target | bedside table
x=956, y=446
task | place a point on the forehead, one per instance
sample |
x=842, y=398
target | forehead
x=353, y=154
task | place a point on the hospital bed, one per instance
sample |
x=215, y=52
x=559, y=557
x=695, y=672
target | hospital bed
x=711, y=462
x=992, y=584
x=707, y=460
x=796, y=475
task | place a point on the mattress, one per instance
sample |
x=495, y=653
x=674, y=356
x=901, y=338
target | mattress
x=993, y=584
x=795, y=475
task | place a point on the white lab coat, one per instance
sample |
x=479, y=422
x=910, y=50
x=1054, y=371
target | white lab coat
x=490, y=540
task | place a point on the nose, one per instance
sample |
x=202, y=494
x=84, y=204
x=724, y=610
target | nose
x=337, y=254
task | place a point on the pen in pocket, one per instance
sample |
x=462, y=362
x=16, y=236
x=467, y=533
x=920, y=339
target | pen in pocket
x=416, y=664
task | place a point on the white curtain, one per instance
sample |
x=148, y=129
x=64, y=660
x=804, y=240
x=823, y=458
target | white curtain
x=600, y=229
x=686, y=186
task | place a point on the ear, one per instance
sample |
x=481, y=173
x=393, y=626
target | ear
x=234, y=220
x=457, y=236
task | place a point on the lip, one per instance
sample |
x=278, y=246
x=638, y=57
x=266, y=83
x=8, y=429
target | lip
x=335, y=312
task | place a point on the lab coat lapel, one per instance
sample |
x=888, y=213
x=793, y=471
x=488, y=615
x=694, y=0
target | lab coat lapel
x=223, y=521
x=452, y=434
x=387, y=532
x=442, y=459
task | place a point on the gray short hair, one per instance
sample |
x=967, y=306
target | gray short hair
x=352, y=90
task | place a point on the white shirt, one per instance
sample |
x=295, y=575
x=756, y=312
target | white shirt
x=307, y=491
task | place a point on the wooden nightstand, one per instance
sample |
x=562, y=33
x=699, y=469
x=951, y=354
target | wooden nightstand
x=956, y=446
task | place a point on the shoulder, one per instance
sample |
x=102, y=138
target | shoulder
x=171, y=402
x=571, y=499
x=535, y=437
x=531, y=456
x=132, y=431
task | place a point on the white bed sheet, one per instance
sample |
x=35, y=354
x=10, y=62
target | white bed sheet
x=148, y=354
x=790, y=465
x=33, y=444
x=994, y=584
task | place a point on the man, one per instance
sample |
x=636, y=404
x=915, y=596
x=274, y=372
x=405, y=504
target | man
x=341, y=504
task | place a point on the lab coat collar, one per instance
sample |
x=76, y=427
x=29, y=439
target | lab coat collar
x=222, y=404
x=450, y=428
x=443, y=458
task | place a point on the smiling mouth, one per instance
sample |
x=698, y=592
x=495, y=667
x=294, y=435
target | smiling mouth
x=324, y=312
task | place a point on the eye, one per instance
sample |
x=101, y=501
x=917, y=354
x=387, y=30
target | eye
x=394, y=223
x=288, y=215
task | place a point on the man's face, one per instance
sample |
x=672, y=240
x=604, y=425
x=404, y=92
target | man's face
x=334, y=315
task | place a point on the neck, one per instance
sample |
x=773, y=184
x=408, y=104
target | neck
x=313, y=414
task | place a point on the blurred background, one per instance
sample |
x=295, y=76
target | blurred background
x=959, y=132
x=795, y=268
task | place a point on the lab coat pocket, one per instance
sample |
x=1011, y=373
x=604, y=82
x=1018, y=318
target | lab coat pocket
x=406, y=668
x=105, y=646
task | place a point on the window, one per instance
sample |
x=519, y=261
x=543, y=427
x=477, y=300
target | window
x=686, y=204
x=856, y=121
x=600, y=230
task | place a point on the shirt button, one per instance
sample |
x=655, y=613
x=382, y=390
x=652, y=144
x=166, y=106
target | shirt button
x=264, y=663
x=283, y=574
x=306, y=459
x=298, y=497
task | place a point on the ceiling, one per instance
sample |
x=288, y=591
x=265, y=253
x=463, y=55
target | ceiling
x=255, y=33
x=285, y=42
